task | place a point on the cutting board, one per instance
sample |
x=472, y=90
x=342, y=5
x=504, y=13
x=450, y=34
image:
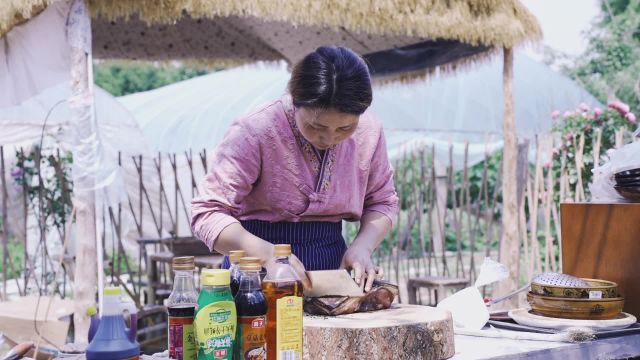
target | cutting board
x=401, y=332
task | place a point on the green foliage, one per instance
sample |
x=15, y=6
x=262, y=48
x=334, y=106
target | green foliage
x=611, y=63
x=582, y=123
x=47, y=180
x=126, y=78
x=14, y=261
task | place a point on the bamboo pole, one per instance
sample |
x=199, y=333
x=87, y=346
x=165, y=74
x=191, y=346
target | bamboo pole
x=5, y=235
x=85, y=281
x=509, y=243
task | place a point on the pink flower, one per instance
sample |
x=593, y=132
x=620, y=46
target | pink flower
x=631, y=118
x=621, y=107
x=568, y=114
x=555, y=114
x=583, y=107
x=547, y=165
x=569, y=136
x=597, y=112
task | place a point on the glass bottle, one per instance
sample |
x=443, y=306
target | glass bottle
x=234, y=258
x=283, y=290
x=251, y=306
x=181, y=307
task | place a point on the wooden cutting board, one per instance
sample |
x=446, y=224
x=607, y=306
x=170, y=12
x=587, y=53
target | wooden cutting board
x=401, y=332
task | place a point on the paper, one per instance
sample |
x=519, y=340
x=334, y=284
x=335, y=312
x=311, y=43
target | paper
x=467, y=306
x=332, y=283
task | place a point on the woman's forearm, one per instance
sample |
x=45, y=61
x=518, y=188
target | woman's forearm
x=235, y=237
x=374, y=226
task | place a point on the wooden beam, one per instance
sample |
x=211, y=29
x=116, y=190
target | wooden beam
x=510, y=242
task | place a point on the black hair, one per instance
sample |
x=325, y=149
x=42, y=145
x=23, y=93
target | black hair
x=332, y=77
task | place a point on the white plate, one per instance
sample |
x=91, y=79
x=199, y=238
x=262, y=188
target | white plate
x=524, y=317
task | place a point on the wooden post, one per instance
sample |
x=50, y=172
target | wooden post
x=5, y=235
x=85, y=282
x=510, y=242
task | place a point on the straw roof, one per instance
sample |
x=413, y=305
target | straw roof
x=496, y=23
x=459, y=32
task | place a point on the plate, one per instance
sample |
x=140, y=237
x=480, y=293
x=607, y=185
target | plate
x=523, y=316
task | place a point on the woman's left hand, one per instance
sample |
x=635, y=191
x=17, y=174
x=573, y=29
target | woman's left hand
x=359, y=260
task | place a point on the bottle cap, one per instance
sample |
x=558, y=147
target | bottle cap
x=250, y=264
x=183, y=263
x=282, y=250
x=215, y=277
x=112, y=290
x=235, y=255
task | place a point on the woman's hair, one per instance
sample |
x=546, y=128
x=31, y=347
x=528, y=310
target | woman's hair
x=332, y=77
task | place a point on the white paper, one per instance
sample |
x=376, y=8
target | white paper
x=467, y=306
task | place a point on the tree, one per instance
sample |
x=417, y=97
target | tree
x=611, y=63
x=122, y=78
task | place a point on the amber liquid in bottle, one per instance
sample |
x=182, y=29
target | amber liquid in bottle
x=274, y=290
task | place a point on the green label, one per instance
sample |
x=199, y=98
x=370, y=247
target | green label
x=189, y=342
x=215, y=329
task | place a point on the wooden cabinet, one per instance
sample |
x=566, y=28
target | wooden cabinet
x=603, y=241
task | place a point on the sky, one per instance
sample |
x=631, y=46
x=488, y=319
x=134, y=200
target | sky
x=564, y=23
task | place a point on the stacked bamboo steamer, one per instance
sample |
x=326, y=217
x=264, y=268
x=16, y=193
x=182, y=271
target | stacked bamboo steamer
x=569, y=297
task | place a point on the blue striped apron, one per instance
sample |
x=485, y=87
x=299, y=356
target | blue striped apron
x=318, y=244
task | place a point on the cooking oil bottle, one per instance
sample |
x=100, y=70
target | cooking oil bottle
x=283, y=290
x=181, y=308
x=251, y=306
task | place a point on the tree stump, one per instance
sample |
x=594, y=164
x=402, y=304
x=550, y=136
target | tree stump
x=401, y=332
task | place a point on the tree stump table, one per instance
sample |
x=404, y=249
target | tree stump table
x=401, y=332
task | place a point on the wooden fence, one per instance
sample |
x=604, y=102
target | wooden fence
x=450, y=218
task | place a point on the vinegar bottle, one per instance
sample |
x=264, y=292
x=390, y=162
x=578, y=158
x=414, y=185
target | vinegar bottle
x=283, y=290
x=181, y=307
x=251, y=306
x=234, y=259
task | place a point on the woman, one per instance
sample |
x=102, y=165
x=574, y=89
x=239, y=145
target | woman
x=293, y=170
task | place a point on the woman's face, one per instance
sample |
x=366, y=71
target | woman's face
x=325, y=128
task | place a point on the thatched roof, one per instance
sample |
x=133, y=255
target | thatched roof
x=250, y=30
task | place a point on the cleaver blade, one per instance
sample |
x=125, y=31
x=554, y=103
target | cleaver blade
x=332, y=283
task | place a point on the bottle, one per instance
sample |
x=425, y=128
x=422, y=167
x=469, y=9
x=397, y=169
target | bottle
x=112, y=341
x=181, y=307
x=234, y=258
x=92, y=313
x=251, y=306
x=215, y=320
x=283, y=290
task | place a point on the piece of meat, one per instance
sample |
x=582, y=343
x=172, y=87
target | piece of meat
x=380, y=297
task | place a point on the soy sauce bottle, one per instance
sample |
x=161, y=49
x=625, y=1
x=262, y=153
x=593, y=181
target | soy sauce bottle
x=234, y=258
x=181, y=307
x=251, y=306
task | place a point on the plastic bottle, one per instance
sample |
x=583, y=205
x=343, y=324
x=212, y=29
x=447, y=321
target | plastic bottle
x=92, y=312
x=215, y=321
x=111, y=341
x=251, y=305
x=283, y=290
x=234, y=258
x=181, y=307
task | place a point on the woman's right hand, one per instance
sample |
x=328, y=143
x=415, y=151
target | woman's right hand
x=297, y=266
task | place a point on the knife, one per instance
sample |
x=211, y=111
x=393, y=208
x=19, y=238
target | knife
x=332, y=283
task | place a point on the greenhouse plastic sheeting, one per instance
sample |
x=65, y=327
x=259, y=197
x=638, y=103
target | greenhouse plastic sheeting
x=442, y=111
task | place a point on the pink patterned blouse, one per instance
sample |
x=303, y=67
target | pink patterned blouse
x=264, y=169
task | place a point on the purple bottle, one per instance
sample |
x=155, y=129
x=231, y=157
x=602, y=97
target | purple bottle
x=112, y=340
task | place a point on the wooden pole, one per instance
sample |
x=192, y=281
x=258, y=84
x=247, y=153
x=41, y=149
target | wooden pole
x=509, y=242
x=5, y=234
x=86, y=279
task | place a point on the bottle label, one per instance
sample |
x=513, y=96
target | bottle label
x=251, y=337
x=215, y=329
x=289, y=328
x=182, y=341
